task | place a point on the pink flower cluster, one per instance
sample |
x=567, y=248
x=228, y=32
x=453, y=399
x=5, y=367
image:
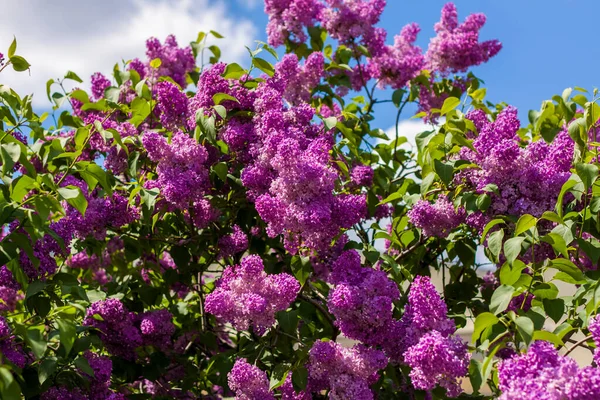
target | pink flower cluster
x=249, y=382
x=122, y=331
x=345, y=372
x=528, y=179
x=362, y=301
x=247, y=297
x=543, y=374
x=457, y=47
x=427, y=343
x=437, y=219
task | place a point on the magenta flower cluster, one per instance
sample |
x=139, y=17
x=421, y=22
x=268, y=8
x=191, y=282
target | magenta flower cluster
x=457, y=47
x=123, y=331
x=247, y=297
x=9, y=349
x=9, y=290
x=437, y=219
x=528, y=178
x=543, y=374
x=594, y=328
x=345, y=372
x=427, y=342
x=249, y=382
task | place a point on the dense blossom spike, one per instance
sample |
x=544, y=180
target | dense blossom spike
x=249, y=382
x=247, y=297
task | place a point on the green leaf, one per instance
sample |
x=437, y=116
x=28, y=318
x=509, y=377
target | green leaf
x=73, y=76
x=140, y=110
x=330, y=122
x=46, y=369
x=567, y=267
x=588, y=174
x=74, y=196
x=67, y=332
x=216, y=34
x=83, y=364
x=552, y=216
x=218, y=98
x=444, y=171
x=221, y=111
x=548, y=337
x=156, y=63
x=494, y=242
x=501, y=298
x=525, y=223
x=483, y=321
x=263, y=65
x=483, y=202
x=21, y=186
x=10, y=154
x=476, y=374
x=34, y=288
x=9, y=389
x=300, y=378
x=525, y=328
x=233, y=71
x=19, y=63
x=13, y=48
x=36, y=341
x=557, y=242
x=301, y=268
x=512, y=248
x=489, y=226
x=555, y=308
x=510, y=274
x=221, y=170
x=449, y=104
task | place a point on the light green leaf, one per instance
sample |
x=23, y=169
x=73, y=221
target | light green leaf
x=525, y=223
x=501, y=298
x=525, y=328
x=483, y=321
x=512, y=248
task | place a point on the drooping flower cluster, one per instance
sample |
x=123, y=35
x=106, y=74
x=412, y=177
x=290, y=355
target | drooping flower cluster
x=457, y=47
x=171, y=105
x=349, y=20
x=9, y=348
x=122, y=331
x=175, y=62
x=346, y=372
x=8, y=290
x=543, y=374
x=249, y=382
x=300, y=80
x=594, y=328
x=428, y=345
x=235, y=242
x=288, y=18
x=182, y=173
x=528, y=178
x=291, y=178
x=362, y=301
x=436, y=219
x=247, y=297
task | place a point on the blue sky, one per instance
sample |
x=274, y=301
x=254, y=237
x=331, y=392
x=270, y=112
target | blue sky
x=548, y=45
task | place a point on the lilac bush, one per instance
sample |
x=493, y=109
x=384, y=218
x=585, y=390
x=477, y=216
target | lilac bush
x=189, y=228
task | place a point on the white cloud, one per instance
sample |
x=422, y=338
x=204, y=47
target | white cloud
x=86, y=36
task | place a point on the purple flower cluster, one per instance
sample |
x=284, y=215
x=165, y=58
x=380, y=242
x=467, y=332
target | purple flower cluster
x=291, y=177
x=543, y=374
x=176, y=62
x=346, y=372
x=99, y=84
x=288, y=18
x=349, y=20
x=396, y=65
x=528, y=178
x=362, y=301
x=594, y=328
x=9, y=290
x=436, y=219
x=301, y=80
x=427, y=345
x=182, y=173
x=457, y=47
x=249, y=382
x=122, y=331
x=362, y=175
x=171, y=105
x=247, y=297
x=9, y=348
x=235, y=242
